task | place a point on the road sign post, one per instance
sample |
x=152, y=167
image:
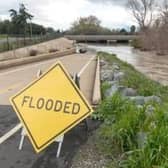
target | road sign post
x=50, y=106
x=58, y=139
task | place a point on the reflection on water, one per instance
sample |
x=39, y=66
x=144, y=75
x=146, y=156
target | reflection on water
x=155, y=67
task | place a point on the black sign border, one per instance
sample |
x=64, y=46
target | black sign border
x=54, y=137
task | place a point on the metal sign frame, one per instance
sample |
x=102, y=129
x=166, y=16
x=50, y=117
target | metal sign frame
x=52, y=139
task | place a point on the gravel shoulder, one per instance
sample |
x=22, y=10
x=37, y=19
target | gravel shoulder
x=88, y=156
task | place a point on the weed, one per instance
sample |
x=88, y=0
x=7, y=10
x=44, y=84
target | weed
x=123, y=120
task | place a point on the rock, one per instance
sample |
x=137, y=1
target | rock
x=149, y=111
x=113, y=83
x=141, y=139
x=110, y=92
x=153, y=99
x=106, y=67
x=107, y=75
x=129, y=92
x=139, y=100
x=118, y=76
x=121, y=88
x=115, y=67
x=102, y=63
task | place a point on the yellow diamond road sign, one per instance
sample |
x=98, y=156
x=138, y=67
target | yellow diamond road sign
x=50, y=106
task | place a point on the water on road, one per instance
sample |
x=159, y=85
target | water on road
x=155, y=67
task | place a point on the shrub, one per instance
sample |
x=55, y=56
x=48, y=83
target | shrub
x=53, y=50
x=33, y=52
x=136, y=43
x=122, y=118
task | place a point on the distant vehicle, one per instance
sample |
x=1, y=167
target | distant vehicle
x=81, y=49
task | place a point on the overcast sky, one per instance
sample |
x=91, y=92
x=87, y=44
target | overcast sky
x=61, y=13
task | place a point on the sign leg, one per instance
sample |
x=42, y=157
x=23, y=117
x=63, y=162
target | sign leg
x=60, y=140
x=23, y=133
x=59, y=149
x=22, y=139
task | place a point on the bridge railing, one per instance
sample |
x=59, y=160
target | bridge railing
x=100, y=37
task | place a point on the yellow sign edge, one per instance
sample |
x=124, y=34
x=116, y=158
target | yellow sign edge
x=39, y=149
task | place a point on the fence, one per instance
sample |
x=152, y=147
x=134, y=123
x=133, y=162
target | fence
x=13, y=42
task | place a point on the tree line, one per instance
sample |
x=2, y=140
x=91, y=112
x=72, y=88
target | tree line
x=91, y=25
x=21, y=24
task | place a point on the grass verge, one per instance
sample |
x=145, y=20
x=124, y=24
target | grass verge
x=132, y=136
x=3, y=36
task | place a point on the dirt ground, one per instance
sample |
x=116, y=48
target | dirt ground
x=88, y=155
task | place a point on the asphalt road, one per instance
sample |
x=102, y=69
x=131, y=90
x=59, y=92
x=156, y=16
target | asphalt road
x=16, y=78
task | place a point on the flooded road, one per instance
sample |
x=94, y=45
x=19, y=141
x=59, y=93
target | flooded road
x=155, y=67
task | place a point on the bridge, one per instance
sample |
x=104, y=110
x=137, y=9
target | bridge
x=101, y=38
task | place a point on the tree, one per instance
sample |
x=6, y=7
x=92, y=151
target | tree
x=86, y=25
x=132, y=29
x=20, y=19
x=142, y=11
x=37, y=29
x=123, y=31
x=50, y=30
x=5, y=27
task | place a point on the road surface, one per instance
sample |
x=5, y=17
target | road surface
x=16, y=78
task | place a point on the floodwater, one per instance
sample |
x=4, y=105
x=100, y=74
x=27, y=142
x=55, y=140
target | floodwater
x=155, y=67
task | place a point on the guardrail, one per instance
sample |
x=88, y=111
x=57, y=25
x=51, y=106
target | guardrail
x=100, y=37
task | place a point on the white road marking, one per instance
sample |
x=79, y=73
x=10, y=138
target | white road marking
x=28, y=66
x=10, y=133
x=85, y=66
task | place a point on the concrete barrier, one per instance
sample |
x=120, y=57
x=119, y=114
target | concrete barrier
x=60, y=44
x=97, y=90
x=31, y=59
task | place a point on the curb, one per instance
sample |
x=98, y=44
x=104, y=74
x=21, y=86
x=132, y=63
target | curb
x=27, y=60
x=96, y=90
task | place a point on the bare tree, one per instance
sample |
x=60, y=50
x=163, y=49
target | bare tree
x=142, y=11
x=162, y=31
x=164, y=12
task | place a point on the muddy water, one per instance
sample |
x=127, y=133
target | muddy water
x=155, y=67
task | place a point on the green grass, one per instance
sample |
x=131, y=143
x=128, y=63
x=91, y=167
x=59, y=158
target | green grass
x=3, y=36
x=137, y=80
x=123, y=120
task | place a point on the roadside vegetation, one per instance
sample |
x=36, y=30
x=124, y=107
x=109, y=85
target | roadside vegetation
x=20, y=31
x=19, y=42
x=131, y=135
x=91, y=25
x=151, y=16
x=2, y=36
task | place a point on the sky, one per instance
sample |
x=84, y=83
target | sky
x=60, y=14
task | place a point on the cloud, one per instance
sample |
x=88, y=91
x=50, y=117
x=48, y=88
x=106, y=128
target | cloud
x=114, y=2
x=6, y=5
x=61, y=13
